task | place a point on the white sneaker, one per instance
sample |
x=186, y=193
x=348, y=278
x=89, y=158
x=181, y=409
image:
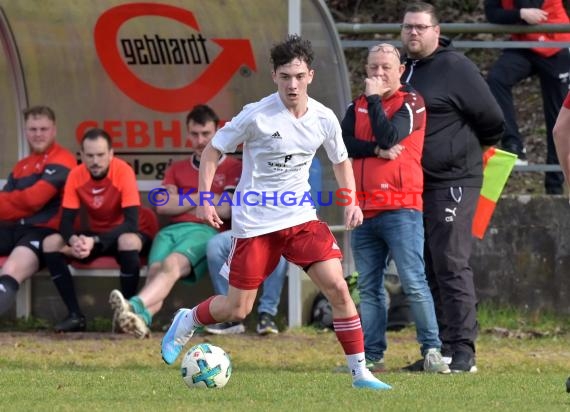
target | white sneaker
x=434, y=363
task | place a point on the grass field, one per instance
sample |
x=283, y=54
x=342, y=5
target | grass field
x=289, y=372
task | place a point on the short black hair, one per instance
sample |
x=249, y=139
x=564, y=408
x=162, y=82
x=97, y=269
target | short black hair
x=202, y=114
x=294, y=47
x=94, y=134
x=423, y=7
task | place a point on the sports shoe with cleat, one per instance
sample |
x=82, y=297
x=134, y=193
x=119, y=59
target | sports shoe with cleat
x=463, y=362
x=119, y=305
x=130, y=322
x=434, y=363
x=176, y=336
x=225, y=328
x=369, y=381
x=266, y=325
x=73, y=323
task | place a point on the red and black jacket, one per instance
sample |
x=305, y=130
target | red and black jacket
x=508, y=12
x=372, y=121
x=33, y=192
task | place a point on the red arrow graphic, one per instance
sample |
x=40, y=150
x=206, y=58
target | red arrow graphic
x=234, y=53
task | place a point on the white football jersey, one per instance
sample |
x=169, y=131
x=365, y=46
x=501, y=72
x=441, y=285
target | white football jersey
x=278, y=149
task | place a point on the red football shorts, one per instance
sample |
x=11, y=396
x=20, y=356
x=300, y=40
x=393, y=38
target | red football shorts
x=252, y=259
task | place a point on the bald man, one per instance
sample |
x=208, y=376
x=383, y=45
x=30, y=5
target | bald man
x=384, y=130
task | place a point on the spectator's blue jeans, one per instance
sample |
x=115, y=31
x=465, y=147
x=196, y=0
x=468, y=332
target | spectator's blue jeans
x=400, y=233
x=217, y=252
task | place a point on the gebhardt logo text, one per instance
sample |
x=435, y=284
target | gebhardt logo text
x=156, y=49
x=233, y=54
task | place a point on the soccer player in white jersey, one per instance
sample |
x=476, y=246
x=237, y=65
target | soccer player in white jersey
x=280, y=135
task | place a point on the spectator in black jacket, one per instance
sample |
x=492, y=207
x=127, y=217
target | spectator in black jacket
x=463, y=119
x=550, y=64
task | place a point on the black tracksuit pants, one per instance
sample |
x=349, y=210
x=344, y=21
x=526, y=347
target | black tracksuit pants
x=448, y=217
x=513, y=66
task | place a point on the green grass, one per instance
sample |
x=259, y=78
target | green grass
x=291, y=371
x=537, y=323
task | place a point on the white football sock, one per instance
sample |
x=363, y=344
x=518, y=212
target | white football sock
x=357, y=364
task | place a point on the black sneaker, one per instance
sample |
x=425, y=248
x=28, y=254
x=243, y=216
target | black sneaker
x=225, y=328
x=266, y=325
x=463, y=362
x=568, y=385
x=417, y=366
x=73, y=323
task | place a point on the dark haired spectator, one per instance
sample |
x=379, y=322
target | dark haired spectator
x=106, y=187
x=463, y=120
x=179, y=249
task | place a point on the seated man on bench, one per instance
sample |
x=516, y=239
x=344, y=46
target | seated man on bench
x=106, y=187
x=30, y=202
x=179, y=249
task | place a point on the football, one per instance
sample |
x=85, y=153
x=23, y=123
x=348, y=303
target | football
x=206, y=366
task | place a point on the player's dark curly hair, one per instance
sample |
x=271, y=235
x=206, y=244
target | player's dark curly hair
x=294, y=47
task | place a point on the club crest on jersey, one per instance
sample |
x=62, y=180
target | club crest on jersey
x=97, y=201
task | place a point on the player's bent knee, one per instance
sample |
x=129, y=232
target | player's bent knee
x=129, y=241
x=53, y=243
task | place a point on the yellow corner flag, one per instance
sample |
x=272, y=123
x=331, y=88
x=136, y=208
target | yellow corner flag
x=497, y=167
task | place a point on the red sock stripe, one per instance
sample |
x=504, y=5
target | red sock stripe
x=202, y=315
x=349, y=334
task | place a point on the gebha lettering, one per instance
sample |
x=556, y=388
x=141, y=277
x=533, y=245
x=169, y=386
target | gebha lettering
x=157, y=50
x=139, y=134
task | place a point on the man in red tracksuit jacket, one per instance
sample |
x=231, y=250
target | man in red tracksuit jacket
x=30, y=202
x=384, y=131
x=550, y=64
